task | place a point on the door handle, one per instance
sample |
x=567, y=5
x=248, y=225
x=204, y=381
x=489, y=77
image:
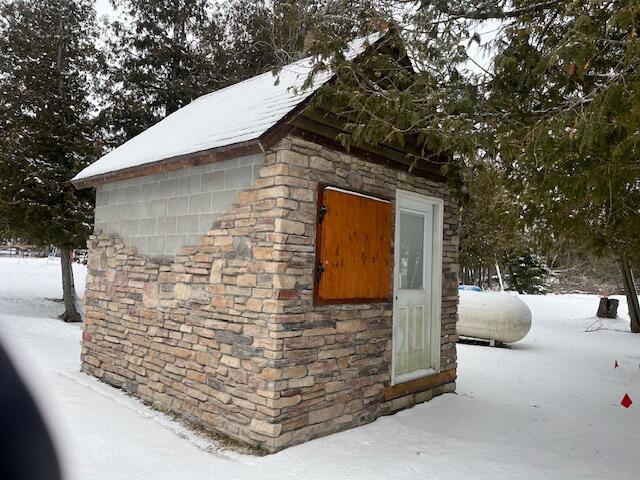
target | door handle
x=319, y=271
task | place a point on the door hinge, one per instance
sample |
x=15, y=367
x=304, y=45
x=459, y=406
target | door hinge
x=321, y=213
x=319, y=270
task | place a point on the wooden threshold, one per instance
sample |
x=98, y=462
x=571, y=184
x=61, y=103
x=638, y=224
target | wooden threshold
x=419, y=384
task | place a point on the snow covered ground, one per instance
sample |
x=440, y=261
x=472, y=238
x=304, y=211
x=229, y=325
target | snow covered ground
x=547, y=408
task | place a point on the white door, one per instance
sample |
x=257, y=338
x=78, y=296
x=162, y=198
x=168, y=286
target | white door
x=418, y=263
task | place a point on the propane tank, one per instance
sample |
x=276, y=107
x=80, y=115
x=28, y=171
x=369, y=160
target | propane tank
x=493, y=316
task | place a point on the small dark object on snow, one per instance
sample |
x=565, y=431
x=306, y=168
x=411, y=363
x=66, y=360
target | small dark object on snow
x=608, y=308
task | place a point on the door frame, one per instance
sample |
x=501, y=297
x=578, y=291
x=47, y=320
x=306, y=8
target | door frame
x=436, y=283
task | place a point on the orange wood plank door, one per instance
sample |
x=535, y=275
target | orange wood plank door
x=355, y=248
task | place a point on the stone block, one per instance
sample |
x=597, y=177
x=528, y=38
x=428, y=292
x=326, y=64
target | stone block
x=286, y=282
x=246, y=280
x=262, y=253
x=292, y=158
x=272, y=192
x=326, y=414
x=350, y=326
x=296, y=343
x=230, y=361
x=290, y=227
x=150, y=295
x=284, y=402
x=265, y=428
x=274, y=170
x=320, y=163
x=254, y=304
x=402, y=402
x=182, y=291
x=271, y=374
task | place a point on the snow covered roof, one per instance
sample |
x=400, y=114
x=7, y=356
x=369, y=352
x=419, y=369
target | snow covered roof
x=233, y=115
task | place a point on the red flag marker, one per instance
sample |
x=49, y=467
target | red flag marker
x=615, y=365
x=626, y=401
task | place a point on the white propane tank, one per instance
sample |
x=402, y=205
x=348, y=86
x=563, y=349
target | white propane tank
x=493, y=316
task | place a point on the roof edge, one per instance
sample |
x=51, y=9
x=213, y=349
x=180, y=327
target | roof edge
x=193, y=159
x=264, y=141
x=278, y=130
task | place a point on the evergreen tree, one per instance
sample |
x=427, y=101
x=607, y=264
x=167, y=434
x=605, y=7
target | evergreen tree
x=559, y=107
x=268, y=34
x=255, y=44
x=568, y=83
x=164, y=54
x=48, y=62
x=491, y=230
x=529, y=274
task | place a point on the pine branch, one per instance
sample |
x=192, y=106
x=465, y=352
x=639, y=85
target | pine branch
x=482, y=14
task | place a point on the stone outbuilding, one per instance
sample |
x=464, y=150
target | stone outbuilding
x=252, y=276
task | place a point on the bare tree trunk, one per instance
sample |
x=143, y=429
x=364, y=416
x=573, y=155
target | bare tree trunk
x=499, y=277
x=69, y=296
x=630, y=292
x=60, y=56
x=179, y=40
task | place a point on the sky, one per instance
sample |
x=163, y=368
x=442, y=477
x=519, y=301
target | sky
x=104, y=7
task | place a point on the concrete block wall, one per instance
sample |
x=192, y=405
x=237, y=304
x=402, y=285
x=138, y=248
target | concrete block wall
x=157, y=214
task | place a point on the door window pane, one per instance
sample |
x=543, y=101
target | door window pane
x=411, y=251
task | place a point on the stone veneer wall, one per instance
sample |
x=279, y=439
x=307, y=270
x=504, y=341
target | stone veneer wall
x=226, y=334
x=160, y=213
